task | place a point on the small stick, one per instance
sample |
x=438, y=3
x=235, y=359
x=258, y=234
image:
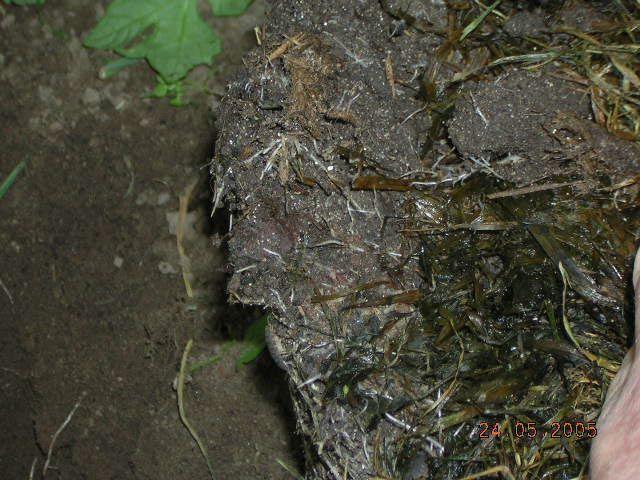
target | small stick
x=286, y=45
x=259, y=34
x=388, y=68
x=58, y=432
x=623, y=184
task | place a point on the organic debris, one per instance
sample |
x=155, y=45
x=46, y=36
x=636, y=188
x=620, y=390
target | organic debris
x=446, y=267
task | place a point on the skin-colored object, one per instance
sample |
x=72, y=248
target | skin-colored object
x=615, y=452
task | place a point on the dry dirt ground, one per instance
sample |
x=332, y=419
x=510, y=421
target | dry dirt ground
x=93, y=308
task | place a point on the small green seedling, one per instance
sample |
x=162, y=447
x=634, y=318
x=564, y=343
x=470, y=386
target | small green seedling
x=172, y=90
x=253, y=344
x=169, y=34
x=254, y=341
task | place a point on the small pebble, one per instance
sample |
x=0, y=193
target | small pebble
x=166, y=268
x=145, y=197
x=163, y=198
x=90, y=96
x=118, y=261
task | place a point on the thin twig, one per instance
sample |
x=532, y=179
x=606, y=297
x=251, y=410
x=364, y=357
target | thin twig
x=623, y=184
x=296, y=40
x=388, y=68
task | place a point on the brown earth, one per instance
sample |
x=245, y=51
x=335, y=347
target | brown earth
x=93, y=307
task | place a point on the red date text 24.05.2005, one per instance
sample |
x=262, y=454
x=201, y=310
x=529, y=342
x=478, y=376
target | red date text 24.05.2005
x=532, y=429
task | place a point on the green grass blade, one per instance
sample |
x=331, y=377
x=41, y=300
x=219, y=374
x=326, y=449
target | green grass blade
x=6, y=185
x=478, y=20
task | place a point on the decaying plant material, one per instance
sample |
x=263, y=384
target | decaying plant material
x=439, y=205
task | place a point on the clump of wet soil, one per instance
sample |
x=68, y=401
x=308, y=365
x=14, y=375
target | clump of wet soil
x=371, y=195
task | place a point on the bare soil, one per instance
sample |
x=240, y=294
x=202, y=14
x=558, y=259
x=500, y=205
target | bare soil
x=93, y=307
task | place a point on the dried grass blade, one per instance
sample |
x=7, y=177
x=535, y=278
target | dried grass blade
x=532, y=189
x=503, y=469
x=184, y=259
x=181, y=410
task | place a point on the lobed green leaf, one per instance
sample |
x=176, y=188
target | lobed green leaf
x=178, y=41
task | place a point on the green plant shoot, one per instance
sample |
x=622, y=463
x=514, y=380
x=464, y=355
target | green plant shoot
x=254, y=341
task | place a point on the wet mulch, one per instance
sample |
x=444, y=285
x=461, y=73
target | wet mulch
x=443, y=236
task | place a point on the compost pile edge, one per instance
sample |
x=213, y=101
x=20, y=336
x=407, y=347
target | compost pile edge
x=342, y=147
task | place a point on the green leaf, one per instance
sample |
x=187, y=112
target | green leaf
x=179, y=38
x=254, y=341
x=123, y=21
x=228, y=8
